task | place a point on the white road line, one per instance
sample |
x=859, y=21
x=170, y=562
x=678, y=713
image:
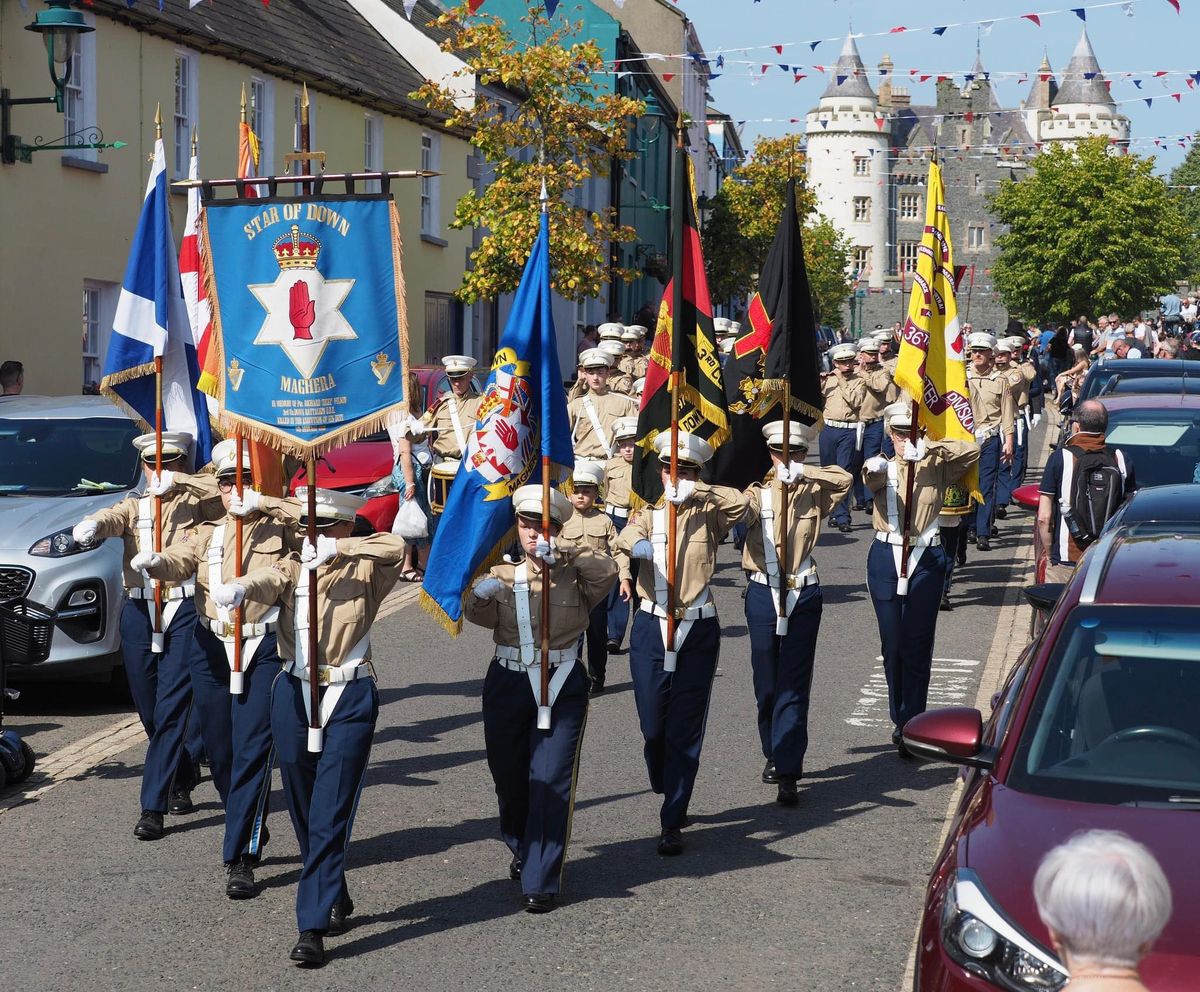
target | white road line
x=949, y=685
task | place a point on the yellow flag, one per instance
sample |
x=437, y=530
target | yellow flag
x=932, y=365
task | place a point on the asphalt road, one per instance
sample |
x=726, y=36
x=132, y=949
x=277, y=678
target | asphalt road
x=822, y=897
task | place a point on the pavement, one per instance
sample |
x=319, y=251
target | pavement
x=826, y=896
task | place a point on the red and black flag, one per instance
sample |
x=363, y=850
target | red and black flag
x=684, y=342
x=776, y=355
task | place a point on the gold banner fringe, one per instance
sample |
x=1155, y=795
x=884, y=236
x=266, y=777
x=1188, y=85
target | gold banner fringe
x=493, y=557
x=107, y=389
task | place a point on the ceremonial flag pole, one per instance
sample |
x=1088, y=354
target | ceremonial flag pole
x=970, y=292
x=236, y=679
x=680, y=190
x=158, y=635
x=543, y=715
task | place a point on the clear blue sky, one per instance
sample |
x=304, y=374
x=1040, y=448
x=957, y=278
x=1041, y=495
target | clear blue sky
x=1155, y=38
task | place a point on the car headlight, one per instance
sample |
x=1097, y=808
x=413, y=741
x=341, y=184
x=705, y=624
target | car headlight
x=979, y=937
x=60, y=544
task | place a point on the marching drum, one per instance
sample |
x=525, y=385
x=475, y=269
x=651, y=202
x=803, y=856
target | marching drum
x=441, y=478
x=957, y=502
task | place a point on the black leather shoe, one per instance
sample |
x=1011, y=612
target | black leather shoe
x=309, y=951
x=670, y=843
x=240, y=883
x=1002, y=513
x=150, y=826
x=995, y=531
x=983, y=544
x=343, y=907
x=614, y=646
x=788, y=794
x=962, y=552
x=946, y=606
x=898, y=740
x=514, y=869
x=769, y=775
x=597, y=689
x=180, y=802
x=538, y=902
x=845, y=528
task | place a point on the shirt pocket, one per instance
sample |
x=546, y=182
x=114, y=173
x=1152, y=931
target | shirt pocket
x=564, y=595
x=346, y=596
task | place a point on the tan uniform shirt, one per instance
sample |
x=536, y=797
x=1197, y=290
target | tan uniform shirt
x=618, y=483
x=809, y=502
x=596, y=531
x=844, y=397
x=350, y=588
x=442, y=417
x=703, y=522
x=878, y=392
x=193, y=501
x=634, y=366
x=992, y=402
x=1019, y=377
x=579, y=582
x=945, y=462
x=264, y=542
x=609, y=407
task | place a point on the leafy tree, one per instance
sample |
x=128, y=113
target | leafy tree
x=1089, y=232
x=1185, y=180
x=562, y=131
x=827, y=254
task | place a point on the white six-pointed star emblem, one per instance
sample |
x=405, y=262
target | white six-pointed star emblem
x=303, y=343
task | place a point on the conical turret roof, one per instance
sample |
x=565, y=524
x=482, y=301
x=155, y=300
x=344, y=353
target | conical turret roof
x=1035, y=101
x=849, y=76
x=1082, y=81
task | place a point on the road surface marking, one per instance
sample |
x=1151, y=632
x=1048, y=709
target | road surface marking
x=949, y=685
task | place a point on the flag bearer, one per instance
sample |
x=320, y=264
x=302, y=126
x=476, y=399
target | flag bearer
x=878, y=394
x=618, y=487
x=591, y=527
x=1020, y=377
x=354, y=574
x=842, y=439
x=672, y=689
x=995, y=423
x=907, y=609
x=592, y=415
x=235, y=709
x=157, y=664
x=783, y=617
x=453, y=413
x=535, y=767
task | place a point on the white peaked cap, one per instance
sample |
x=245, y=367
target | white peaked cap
x=527, y=502
x=588, y=474
x=224, y=456
x=799, y=436
x=691, y=450
x=458, y=364
x=332, y=505
x=594, y=358
x=174, y=444
x=981, y=339
x=612, y=347
x=624, y=427
x=611, y=331
x=843, y=353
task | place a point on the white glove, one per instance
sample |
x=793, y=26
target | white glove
x=913, y=452
x=144, y=560
x=487, y=587
x=160, y=485
x=229, y=594
x=314, y=558
x=876, y=464
x=679, y=494
x=545, y=550
x=1035, y=419
x=84, y=532
x=244, y=505
x=787, y=474
x=643, y=549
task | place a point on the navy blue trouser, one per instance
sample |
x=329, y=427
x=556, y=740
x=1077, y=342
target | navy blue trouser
x=596, y=638
x=322, y=790
x=783, y=673
x=209, y=670
x=906, y=625
x=618, y=609
x=162, y=695
x=249, y=726
x=1012, y=475
x=872, y=446
x=673, y=707
x=952, y=538
x=837, y=448
x=534, y=770
x=989, y=481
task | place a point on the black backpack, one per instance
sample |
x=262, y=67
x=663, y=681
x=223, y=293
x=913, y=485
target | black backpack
x=1096, y=489
x=1083, y=335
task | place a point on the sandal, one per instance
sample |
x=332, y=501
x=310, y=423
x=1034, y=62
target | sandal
x=412, y=575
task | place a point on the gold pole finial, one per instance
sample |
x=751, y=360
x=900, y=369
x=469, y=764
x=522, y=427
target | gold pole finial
x=244, y=118
x=158, y=122
x=195, y=141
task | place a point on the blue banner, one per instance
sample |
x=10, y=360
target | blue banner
x=522, y=417
x=307, y=310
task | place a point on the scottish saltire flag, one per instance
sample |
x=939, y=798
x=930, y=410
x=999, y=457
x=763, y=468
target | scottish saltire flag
x=522, y=418
x=307, y=301
x=152, y=321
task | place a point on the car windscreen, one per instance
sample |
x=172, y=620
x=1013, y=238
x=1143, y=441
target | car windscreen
x=1160, y=385
x=47, y=457
x=1115, y=720
x=1164, y=445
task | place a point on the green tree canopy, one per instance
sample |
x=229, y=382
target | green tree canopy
x=1185, y=190
x=1089, y=232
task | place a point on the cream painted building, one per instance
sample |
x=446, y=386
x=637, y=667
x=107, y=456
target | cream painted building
x=68, y=218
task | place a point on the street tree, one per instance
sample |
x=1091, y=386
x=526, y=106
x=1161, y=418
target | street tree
x=1088, y=232
x=558, y=127
x=1185, y=190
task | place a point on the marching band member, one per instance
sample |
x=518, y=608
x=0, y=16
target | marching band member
x=619, y=381
x=592, y=415
x=354, y=574
x=618, y=489
x=783, y=625
x=237, y=727
x=534, y=767
x=157, y=664
x=635, y=362
x=672, y=689
x=842, y=439
x=878, y=395
x=995, y=423
x=907, y=609
x=452, y=415
x=1020, y=376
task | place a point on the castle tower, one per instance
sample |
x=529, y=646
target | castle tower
x=1038, y=104
x=848, y=165
x=886, y=68
x=1083, y=106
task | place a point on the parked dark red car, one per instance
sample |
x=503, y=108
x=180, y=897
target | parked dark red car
x=1096, y=727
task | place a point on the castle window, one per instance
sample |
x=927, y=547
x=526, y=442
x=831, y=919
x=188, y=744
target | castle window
x=862, y=209
x=862, y=260
x=975, y=237
x=910, y=206
x=978, y=183
x=906, y=256
x=964, y=137
x=862, y=165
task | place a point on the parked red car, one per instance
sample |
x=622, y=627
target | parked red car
x=1095, y=727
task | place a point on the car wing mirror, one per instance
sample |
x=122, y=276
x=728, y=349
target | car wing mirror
x=1044, y=596
x=954, y=734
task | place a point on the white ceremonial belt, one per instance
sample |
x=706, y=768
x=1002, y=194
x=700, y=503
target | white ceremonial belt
x=1024, y=408
x=619, y=511
x=510, y=657
x=709, y=609
x=848, y=424
x=986, y=434
x=800, y=580
x=869, y=420
x=331, y=674
x=171, y=593
x=915, y=541
x=226, y=631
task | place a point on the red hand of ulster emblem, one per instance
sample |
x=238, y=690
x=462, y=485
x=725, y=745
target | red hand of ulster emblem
x=507, y=434
x=302, y=311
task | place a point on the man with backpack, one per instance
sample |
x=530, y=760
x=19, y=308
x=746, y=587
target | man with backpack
x=1081, y=334
x=1084, y=484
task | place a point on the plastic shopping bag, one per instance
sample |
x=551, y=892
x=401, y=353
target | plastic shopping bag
x=410, y=522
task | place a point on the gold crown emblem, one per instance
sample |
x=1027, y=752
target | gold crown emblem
x=296, y=250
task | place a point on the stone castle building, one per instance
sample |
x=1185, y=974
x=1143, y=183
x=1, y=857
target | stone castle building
x=868, y=161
